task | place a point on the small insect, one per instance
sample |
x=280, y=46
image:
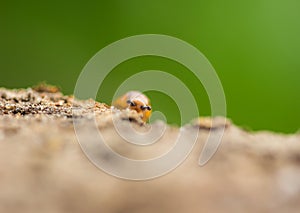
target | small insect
x=137, y=101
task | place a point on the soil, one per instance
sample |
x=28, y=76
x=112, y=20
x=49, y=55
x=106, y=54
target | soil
x=43, y=168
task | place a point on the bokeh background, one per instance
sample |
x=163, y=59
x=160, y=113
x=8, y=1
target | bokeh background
x=253, y=45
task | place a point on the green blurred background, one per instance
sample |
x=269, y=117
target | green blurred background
x=253, y=45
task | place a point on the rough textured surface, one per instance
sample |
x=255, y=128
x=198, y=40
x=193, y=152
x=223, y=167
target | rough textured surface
x=43, y=169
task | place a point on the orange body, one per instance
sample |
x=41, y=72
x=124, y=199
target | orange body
x=137, y=101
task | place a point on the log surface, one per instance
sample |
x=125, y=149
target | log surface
x=43, y=169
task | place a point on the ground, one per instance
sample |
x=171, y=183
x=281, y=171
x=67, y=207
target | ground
x=43, y=168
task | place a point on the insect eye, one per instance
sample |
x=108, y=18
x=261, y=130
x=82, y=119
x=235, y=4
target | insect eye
x=131, y=103
x=146, y=107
